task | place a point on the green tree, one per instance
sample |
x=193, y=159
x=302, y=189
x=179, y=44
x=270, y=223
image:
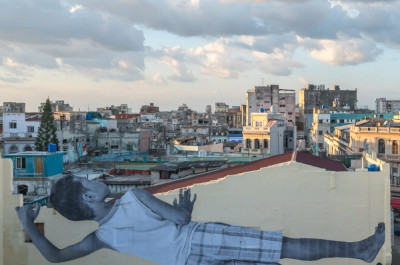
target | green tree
x=47, y=130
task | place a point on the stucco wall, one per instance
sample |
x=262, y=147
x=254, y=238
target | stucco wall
x=301, y=200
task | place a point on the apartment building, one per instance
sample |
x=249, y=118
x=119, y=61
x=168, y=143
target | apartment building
x=261, y=98
x=13, y=107
x=382, y=105
x=58, y=105
x=317, y=96
x=20, y=131
x=265, y=135
x=326, y=119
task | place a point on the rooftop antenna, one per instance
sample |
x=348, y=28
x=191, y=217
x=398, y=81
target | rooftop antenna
x=262, y=81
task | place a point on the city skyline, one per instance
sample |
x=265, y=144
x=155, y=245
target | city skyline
x=100, y=53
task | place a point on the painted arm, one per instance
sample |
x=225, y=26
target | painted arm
x=179, y=213
x=27, y=214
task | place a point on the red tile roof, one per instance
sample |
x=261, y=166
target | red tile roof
x=320, y=162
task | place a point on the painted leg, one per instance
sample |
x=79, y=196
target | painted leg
x=314, y=249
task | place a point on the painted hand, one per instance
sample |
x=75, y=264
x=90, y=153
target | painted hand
x=28, y=213
x=184, y=200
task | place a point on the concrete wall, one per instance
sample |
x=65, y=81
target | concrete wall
x=308, y=99
x=300, y=200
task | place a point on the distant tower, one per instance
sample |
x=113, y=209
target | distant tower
x=208, y=109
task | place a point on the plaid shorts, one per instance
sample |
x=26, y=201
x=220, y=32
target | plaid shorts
x=222, y=244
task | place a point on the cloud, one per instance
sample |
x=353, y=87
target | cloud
x=278, y=63
x=101, y=40
x=41, y=34
x=158, y=79
x=343, y=51
x=50, y=22
x=182, y=17
x=176, y=59
x=303, y=81
x=217, y=59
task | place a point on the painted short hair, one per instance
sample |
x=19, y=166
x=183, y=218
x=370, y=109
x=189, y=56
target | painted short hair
x=67, y=198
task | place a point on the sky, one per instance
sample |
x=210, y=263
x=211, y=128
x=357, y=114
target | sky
x=98, y=53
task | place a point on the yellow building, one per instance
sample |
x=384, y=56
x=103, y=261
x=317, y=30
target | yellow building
x=381, y=138
x=265, y=135
x=302, y=195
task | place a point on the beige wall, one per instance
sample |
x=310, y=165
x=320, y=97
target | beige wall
x=357, y=139
x=301, y=200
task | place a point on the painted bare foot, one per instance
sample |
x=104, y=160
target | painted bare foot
x=370, y=246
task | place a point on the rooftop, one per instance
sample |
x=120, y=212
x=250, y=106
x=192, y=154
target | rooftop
x=300, y=157
x=33, y=153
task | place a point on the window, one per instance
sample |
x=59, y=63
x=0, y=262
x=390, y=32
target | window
x=320, y=145
x=248, y=143
x=395, y=170
x=282, y=106
x=290, y=121
x=28, y=148
x=13, y=125
x=258, y=123
x=21, y=162
x=320, y=121
x=114, y=146
x=290, y=113
x=395, y=148
x=31, y=129
x=341, y=121
x=257, y=144
x=381, y=146
x=65, y=141
x=320, y=132
x=265, y=143
x=333, y=121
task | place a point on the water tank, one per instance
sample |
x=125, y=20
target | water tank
x=88, y=117
x=373, y=167
x=52, y=148
x=262, y=110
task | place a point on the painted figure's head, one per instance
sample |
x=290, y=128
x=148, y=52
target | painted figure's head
x=67, y=197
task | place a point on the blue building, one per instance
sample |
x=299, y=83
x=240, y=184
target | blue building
x=235, y=134
x=340, y=119
x=36, y=164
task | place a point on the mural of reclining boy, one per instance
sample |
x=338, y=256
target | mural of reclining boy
x=143, y=225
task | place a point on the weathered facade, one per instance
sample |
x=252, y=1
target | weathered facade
x=262, y=98
x=382, y=105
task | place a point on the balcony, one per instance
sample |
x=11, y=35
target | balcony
x=374, y=129
x=389, y=157
x=257, y=130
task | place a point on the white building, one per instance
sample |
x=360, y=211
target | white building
x=20, y=131
x=261, y=98
x=382, y=105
